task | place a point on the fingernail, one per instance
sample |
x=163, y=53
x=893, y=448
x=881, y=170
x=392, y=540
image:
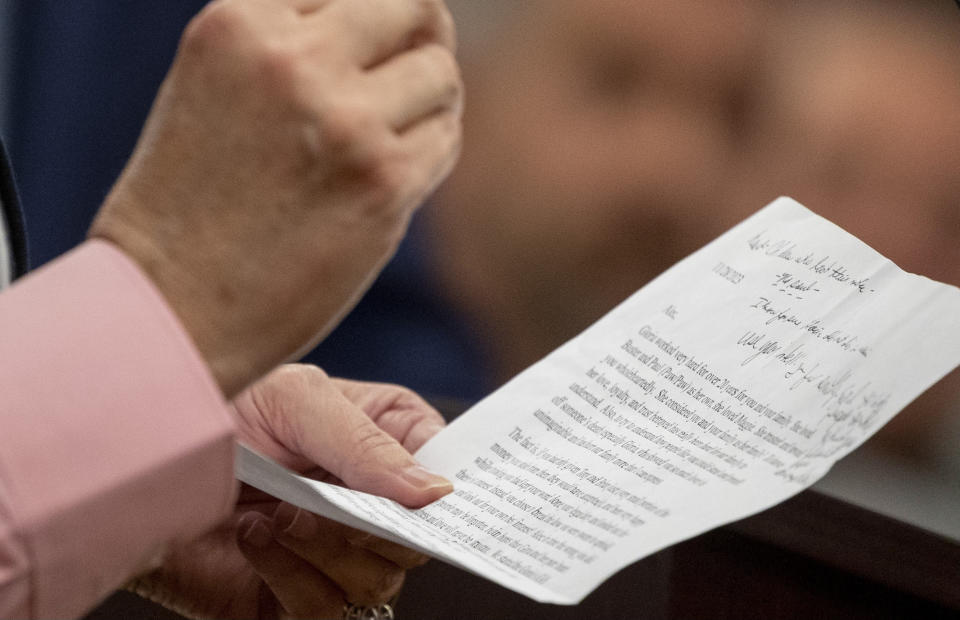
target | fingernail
x=294, y=521
x=420, y=476
x=257, y=534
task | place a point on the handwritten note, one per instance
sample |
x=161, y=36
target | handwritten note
x=731, y=382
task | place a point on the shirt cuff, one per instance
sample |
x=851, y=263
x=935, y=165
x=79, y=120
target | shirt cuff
x=115, y=438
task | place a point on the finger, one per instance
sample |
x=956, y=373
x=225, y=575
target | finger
x=339, y=437
x=403, y=557
x=365, y=578
x=301, y=589
x=309, y=6
x=434, y=144
x=371, y=31
x=402, y=413
x=415, y=84
x=306, y=6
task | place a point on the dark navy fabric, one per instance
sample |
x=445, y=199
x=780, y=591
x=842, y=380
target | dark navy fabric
x=13, y=217
x=84, y=75
x=404, y=332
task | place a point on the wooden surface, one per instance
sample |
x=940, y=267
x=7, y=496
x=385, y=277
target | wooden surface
x=861, y=543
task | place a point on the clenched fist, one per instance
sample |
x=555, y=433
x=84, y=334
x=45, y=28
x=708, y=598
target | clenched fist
x=283, y=157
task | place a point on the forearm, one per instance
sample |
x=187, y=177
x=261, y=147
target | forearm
x=280, y=164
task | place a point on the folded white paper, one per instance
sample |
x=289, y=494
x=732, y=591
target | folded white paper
x=726, y=385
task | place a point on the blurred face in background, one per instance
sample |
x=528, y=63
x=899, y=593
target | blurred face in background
x=861, y=122
x=596, y=132
x=607, y=139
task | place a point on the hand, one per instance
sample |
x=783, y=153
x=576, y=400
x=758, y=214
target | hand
x=272, y=560
x=284, y=154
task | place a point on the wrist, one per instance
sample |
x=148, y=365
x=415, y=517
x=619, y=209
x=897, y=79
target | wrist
x=231, y=358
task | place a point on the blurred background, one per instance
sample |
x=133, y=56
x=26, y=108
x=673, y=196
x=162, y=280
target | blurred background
x=604, y=141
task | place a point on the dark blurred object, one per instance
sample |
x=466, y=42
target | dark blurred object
x=403, y=332
x=810, y=557
x=82, y=78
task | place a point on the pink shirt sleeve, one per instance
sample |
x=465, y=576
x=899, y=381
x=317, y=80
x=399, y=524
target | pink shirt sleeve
x=114, y=438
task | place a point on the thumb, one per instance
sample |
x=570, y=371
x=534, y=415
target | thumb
x=338, y=436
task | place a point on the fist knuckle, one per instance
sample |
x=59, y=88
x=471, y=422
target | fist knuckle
x=217, y=25
x=359, y=141
x=279, y=68
x=346, y=125
x=454, y=83
x=433, y=8
x=388, y=177
x=441, y=23
x=441, y=63
x=446, y=25
x=452, y=128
